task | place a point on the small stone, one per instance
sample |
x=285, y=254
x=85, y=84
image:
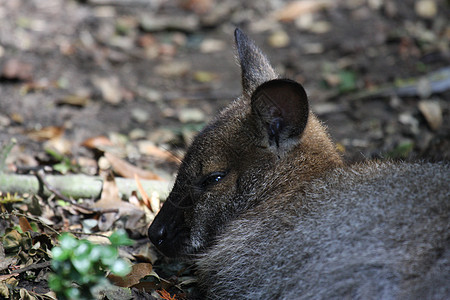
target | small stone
x=109, y=88
x=408, y=120
x=305, y=22
x=162, y=136
x=15, y=69
x=191, y=115
x=426, y=9
x=139, y=115
x=173, y=69
x=432, y=111
x=424, y=88
x=137, y=134
x=321, y=27
x=279, y=39
x=4, y=121
x=212, y=45
x=154, y=23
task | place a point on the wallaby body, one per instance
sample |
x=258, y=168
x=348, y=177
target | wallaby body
x=268, y=210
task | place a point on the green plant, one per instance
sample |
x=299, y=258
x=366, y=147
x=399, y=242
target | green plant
x=80, y=266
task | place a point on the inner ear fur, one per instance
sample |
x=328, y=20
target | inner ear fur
x=281, y=109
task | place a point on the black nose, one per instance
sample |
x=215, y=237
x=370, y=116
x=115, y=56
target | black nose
x=157, y=234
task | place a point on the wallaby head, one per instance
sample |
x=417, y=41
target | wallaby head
x=266, y=143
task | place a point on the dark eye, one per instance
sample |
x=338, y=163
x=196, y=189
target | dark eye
x=212, y=179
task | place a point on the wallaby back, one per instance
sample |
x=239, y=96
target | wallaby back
x=268, y=210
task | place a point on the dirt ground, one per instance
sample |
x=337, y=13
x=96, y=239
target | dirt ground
x=153, y=72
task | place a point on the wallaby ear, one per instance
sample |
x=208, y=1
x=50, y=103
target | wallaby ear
x=255, y=66
x=280, y=108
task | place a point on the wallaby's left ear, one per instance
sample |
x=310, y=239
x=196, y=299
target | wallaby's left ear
x=281, y=110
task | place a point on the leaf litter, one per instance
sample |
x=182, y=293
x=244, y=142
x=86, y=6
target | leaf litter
x=64, y=81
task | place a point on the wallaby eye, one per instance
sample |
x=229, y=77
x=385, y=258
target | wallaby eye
x=212, y=178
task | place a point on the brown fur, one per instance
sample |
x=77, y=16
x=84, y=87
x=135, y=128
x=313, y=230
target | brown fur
x=268, y=210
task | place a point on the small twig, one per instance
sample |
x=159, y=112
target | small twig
x=42, y=265
x=86, y=233
x=40, y=174
x=16, y=213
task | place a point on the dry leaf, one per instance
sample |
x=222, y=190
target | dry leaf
x=110, y=200
x=138, y=271
x=198, y=6
x=24, y=224
x=74, y=100
x=150, y=149
x=127, y=170
x=295, y=9
x=15, y=69
x=98, y=142
x=46, y=133
x=110, y=89
x=153, y=202
x=166, y=295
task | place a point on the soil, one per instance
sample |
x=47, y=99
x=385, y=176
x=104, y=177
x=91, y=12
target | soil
x=157, y=71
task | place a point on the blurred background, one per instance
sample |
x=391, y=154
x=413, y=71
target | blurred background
x=146, y=75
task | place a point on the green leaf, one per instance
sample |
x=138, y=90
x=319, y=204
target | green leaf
x=83, y=249
x=55, y=283
x=120, y=238
x=347, y=81
x=60, y=254
x=120, y=267
x=109, y=255
x=68, y=241
x=73, y=293
x=82, y=265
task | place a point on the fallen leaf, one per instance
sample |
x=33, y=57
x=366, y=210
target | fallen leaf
x=98, y=142
x=198, y=6
x=15, y=69
x=138, y=271
x=24, y=224
x=153, y=202
x=45, y=133
x=432, y=112
x=110, y=200
x=110, y=89
x=166, y=295
x=148, y=148
x=143, y=193
x=173, y=69
x=127, y=170
x=293, y=10
x=74, y=100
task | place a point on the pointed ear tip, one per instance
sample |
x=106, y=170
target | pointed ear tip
x=239, y=35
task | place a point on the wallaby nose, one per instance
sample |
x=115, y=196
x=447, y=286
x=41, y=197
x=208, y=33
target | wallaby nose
x=157, y=233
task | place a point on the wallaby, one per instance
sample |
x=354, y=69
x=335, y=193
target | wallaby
x=267, y=208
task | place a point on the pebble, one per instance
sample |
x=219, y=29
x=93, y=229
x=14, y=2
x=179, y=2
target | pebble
x=154, y=23
x=407, y=119
x=173, y=69
x=162, y=136
x=279, y=39
x=321, y=27
x=432, y=111
x=426, y=9
x=109, y=88
x=139, y=115
x=191, y=115
x=212, y=45
x=137, y=133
